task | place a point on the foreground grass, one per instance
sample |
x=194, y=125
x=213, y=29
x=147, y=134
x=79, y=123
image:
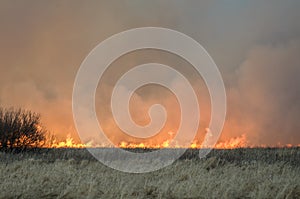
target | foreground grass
x=71, y=173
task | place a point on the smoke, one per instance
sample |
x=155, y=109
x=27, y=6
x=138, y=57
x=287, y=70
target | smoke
x=255, y=45
x=265, y=104
x=149, y=95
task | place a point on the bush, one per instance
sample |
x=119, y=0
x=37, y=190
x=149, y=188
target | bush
x=20, y=129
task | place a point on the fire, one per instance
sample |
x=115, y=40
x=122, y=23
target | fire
x=236, y=142
x=68, y=143
x=143, y=145
x=230, y=144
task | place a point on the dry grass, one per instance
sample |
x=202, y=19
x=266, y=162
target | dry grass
x=70, y=173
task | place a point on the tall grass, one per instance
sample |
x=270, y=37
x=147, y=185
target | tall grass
x=74, y=173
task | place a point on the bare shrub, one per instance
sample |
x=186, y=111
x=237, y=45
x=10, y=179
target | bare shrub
x=20, y=129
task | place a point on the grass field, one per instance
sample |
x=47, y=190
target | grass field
x=74, y=173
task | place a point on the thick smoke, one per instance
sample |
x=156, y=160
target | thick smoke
x=266, y=102
x=255, y=44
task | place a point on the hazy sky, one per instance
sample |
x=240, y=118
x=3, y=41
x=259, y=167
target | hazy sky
x=255, y=44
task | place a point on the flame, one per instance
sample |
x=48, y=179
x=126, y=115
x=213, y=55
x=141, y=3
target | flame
x=127, y=145
x=236, y=142
x=68, y=143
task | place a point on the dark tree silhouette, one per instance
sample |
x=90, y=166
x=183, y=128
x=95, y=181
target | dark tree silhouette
x=20, y=129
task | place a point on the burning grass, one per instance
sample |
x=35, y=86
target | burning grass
x=74, y=173
x=232, y=143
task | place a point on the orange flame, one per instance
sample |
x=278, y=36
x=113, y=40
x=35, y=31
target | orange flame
x=236, y=142
x=68, y=143
x=124, y=144
x=232, y=143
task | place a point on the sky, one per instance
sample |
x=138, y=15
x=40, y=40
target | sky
x=255, y=45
